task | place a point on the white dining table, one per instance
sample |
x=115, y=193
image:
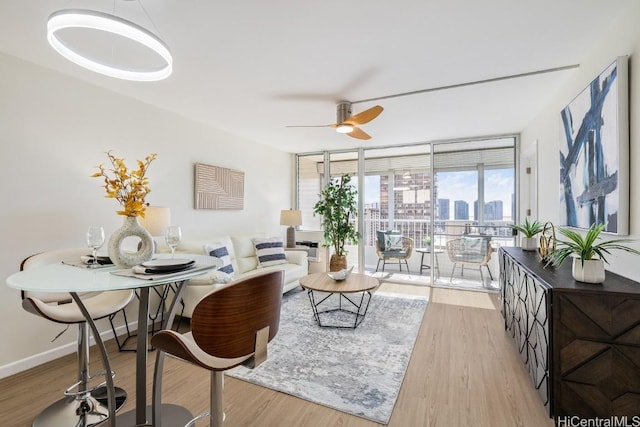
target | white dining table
x=60, y=277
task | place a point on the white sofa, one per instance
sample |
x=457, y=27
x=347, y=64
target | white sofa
x=245, y=263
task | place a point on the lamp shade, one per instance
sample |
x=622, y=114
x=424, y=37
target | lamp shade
x=156, y=220
x=290, y=217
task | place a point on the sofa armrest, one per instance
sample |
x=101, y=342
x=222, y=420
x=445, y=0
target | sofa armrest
x=296, y=257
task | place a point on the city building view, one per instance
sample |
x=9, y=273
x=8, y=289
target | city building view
x=404, y=205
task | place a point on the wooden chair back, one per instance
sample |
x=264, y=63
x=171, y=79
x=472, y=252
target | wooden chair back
x=226, y=322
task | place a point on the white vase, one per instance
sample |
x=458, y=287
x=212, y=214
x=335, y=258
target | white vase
x=127, y=259
x=592, y=271
x=529, y=243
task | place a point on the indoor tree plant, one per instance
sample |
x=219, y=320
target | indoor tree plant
x=337, y=207
x=588, y=255
x=529, y=230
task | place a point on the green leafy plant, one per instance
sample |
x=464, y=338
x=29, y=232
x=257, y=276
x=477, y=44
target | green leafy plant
x=586, y=248
x=337, y=206
x=527, y=228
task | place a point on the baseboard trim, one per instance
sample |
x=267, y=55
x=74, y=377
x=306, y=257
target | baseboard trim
x=55, y=353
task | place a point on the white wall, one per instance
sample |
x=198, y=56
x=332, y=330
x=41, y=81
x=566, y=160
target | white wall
x=53, y=131
x=623, y=39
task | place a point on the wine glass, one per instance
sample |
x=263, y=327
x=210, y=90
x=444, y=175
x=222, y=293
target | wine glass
x=95, y=240
x=172, y=237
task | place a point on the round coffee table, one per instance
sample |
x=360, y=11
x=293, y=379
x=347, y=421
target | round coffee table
x=355, y=284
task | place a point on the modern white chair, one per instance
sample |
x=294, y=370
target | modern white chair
x=83, y=404
x=230, y=326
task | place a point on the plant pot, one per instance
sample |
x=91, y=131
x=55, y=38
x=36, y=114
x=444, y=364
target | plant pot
x=529, y=243
x=592, y=271
x=337, y=263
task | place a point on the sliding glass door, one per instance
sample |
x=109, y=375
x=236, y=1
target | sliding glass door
x=429, y=195
x=476, y=205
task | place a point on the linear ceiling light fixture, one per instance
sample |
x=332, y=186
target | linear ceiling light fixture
x=76, y=18
x=477, y=82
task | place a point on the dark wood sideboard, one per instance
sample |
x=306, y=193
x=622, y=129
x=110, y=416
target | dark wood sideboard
x=580, y=342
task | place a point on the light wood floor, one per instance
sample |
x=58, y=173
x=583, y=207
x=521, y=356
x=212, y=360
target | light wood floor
x=464, y=371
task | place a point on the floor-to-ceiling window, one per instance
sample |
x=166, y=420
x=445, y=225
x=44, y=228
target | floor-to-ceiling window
x=432, y=193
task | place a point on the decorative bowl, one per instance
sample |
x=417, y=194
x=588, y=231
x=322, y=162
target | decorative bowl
x=340, y=275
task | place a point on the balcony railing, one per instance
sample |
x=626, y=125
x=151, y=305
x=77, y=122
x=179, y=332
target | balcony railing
x=420, y=231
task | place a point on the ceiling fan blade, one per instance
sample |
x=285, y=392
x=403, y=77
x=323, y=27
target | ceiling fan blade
x=365, y=116
x=359, y=134
x=312, y=126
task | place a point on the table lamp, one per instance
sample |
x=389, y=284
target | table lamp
x=292, y=218
x=156, y=220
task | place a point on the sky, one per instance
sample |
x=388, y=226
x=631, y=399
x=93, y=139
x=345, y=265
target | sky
x=460, y=185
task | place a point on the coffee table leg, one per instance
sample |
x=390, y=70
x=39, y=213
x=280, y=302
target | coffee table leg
x=361, y=308
x=314, y=305
x=359, y=316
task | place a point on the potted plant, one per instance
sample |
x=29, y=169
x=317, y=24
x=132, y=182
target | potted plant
x=588, y=255
x=529, y=230
x=337, y=206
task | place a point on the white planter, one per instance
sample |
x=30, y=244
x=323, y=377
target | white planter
x=592, y=271
x=529, y=243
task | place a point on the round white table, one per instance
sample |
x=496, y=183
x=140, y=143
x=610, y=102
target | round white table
x=61, y=277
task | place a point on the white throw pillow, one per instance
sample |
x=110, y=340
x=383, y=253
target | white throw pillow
x=393, y=242
x=270, y=251
x=471, y=244
x=220, y=251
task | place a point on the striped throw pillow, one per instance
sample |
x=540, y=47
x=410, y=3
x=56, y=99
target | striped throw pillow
x=220, y=251
x=270, y=251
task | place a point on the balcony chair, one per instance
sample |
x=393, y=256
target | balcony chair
x=393, y=247
x=470, y=251
x=83, y=404
x=230, y=326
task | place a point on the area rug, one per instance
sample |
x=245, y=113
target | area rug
x=358, y=371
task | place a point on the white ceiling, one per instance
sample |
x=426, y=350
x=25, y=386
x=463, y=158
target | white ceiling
x=251, y=67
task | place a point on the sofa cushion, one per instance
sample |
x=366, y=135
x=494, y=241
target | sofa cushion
x=220, y=251
x=270, y=251
x=245, y=252
x=195, y=246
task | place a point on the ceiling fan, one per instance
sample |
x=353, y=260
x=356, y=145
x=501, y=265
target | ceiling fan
x=348, y=124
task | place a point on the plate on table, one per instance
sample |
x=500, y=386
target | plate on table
x=168, y=264
x=102, y=260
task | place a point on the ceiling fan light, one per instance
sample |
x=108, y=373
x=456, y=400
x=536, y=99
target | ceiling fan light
x=344, y=128
x=112, y=24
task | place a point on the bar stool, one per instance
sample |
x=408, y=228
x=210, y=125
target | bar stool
x=83, y=404
x=230, y=326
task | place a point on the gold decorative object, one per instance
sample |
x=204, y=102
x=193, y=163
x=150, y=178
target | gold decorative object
x=129, y=188
x=547, y=240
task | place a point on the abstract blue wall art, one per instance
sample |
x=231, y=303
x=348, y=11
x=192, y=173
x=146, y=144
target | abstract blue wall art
x=594, y=153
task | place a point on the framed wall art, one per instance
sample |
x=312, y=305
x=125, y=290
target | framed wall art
x=594, y=153
x=218, y=188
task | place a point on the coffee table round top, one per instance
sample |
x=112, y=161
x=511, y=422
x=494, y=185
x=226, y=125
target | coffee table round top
x=354, y=283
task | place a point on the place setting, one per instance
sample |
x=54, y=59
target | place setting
x=94, y=238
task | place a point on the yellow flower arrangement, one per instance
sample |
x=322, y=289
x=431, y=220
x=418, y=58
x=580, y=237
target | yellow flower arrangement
x=128, y=188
